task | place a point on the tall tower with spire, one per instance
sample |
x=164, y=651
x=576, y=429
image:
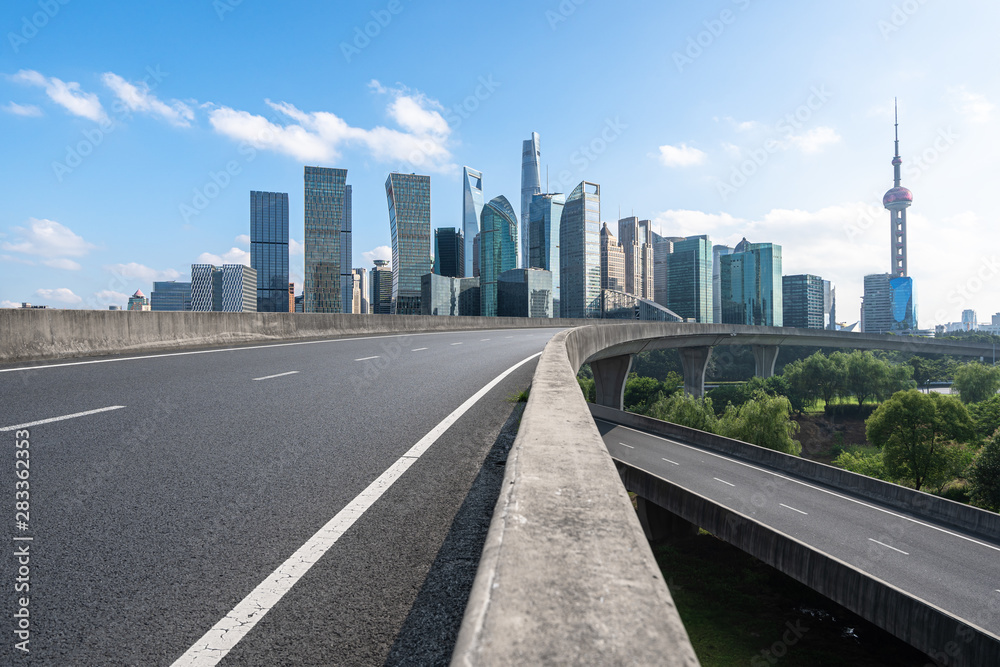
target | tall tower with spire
x=897, y=200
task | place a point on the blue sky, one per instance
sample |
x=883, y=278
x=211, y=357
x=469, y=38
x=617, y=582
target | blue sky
x=134, y=132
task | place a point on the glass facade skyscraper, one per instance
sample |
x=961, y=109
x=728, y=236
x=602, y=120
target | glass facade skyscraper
x=409, y=199
x=498, y=250
x=346, y=254
x=718, y=251
x=689, y=276
x=381, y=288
x=612, y=261
x=580, y=253
x=531, y=185
x=524, y=293
x=472, y=210
x=449, y=252
x=327, y=211
x=269, y=249
x=803, y=301
x=750, y=280
x=545, y=213
x=170, y=295
x=888, y=305
x=636, y=239
x=230, y=288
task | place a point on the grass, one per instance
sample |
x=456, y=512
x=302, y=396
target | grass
x=520, y=397
x=739, y=611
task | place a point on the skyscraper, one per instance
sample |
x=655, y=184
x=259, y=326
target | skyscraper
x=612, y=261
x=409, y=199
x=269, y=249
x=803, y=301
x=689, y=275
x=138, y=301
x=381, y=288
x=170, y=295
x=524, y=293
x=663, y=246
x=346, y=253
x=498, y=250
x=230, y=288
x=896, y=201
x=327, y=213
x=580, y=253
x=531, y=184
x=472, y=210
x=636, y=238
x=449, y=252
x=360, y=304
x=750, y=280
x=545, y=212
x=718, y=251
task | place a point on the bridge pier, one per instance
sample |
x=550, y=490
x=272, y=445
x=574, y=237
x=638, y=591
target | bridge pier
x=660, y=524
x=764, y=357
x=694, y=361
x=610, y=376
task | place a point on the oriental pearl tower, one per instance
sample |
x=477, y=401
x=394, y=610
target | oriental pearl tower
x=897, y=200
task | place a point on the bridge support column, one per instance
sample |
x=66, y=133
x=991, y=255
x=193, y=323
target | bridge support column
x=764, y=357
x=609, y=380
x=660, y=524
x=694, y=360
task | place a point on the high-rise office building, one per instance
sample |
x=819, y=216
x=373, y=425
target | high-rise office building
x=829, y=306
x=201, y=287
x=636, y=238
x=449, y=252
x=269, y=249
x=689, y=275
x=359, y=300
x=472, y=210
x=230, y=288
x=750, y=280
x=612, y=261
x=138, y=301
x=580, y=253
x=803, y=297
x=442, y=295
x=327, y=215
x=498, y=250
x=545, y=212
x=170, y=295
x=531, y=185
x=475, y=256
x=524, y=293
x=409, y=199
x=291, y=297
x=718, y=251
x=663, y=246
x=347, y=252
x=381, y=288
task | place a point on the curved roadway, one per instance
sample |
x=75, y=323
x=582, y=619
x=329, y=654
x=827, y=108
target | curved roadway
x=153, y=521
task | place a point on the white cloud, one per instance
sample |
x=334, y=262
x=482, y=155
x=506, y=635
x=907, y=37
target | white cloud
x=232, y=256
x=296, y=248
x=139, y=98
x=242, y=240
x=320, y=136
x=59, y=295
x=23, y=109
x=48, y=238
x=9, y=304
x=974, y=106
x=63, y=263
x=681, y=156
x=112, y=298
x=815, y=140
x=381, y=252
x=139, y=272
x=16, y=260
x=693, y=223
x=67, y=95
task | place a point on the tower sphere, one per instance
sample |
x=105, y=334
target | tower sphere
x=897, y=198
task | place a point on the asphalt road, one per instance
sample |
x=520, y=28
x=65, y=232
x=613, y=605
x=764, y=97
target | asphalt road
x=153, y=521
x=936, y=563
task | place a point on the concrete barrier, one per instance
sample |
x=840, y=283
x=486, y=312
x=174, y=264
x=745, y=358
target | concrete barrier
x=964, y=517
x=567, y=576
x=945, y=638
x=33, y=335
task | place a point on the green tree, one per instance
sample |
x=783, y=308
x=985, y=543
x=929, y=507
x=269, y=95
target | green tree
x=765, y=421
x=896, y=377
x=683, y=409
x=865, y=375
x=589, y=389
x=640, y=392
x=984, y=476
x=976, y=382
x=864, y=461
x=986, y=417
x=819, y=376
x=916, y=432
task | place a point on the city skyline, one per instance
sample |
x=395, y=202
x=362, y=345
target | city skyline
x=789, y=151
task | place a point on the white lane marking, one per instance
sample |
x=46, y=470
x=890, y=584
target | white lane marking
x=812, y=486
x=483, y=339
x=215, y=644
x=793, y=509
x=249, y=347
x=279, y=375
x=624, y=445
x=673, y=462
x=508, y=336
x=456, y=343
x=723, y=481
x=367, y=358
x=888, y=547
x=419, y=349
x=59, y=419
